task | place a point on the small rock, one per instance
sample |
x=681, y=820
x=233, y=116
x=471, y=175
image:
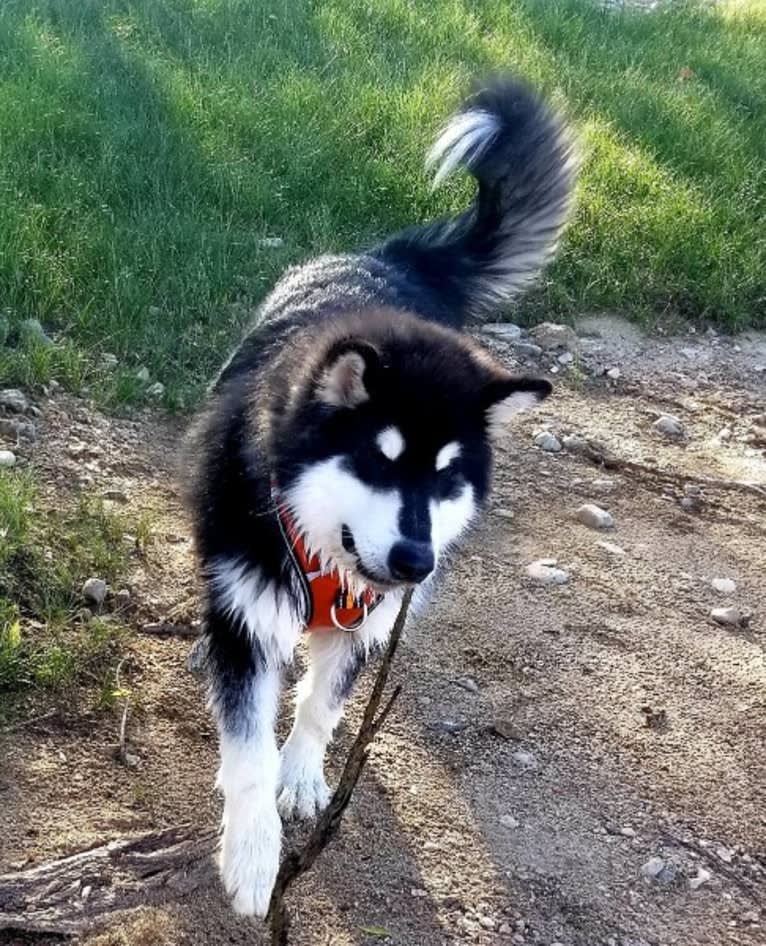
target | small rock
x=654, y=868
x=547, y=574
x=548, y=442
x=271, y=243
x=728, y=617
x=504, y=513
x=17, y=429
x=508, y=821
x=502, y=329
x=506, y=730
x=527, y=350
x=525, y=759
x=750, y=916
x=504, y=929
x=115, y=495
x=725, y=433
x=614, y=374
x=550, y=335
x=725, y=586
x=7, y=458
x=574, y=444
x=14, y=400
x=431, y=846
x=418, y=892
x=86, y=892
x=565, y=358
x=450, y=726
x=724, y=854
x=122, y=598
x=156, y=390
x=32, y=330
x=94, y=590
x=109, y=361
x=196, y=659
x=594, y=517
x=143, y=374
x=610, y=548
x=703, y=876
x=467, y=683
x=627, y=832
x=669, y=426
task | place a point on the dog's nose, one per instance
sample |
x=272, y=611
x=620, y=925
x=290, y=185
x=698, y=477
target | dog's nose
x=411, y=561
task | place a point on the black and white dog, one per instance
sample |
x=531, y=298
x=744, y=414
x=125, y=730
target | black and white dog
x=346, y=446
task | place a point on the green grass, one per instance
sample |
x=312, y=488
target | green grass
x=45, y=555
x=148, y=146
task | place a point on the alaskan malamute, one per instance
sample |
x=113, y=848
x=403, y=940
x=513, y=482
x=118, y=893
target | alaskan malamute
x=346, y=445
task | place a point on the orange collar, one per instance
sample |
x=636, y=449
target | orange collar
x=327, y=603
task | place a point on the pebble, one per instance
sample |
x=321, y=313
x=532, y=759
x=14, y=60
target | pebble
x=86, y=892
x=17, y=428
x=548, y=442
x=503, y=329
x=610, y=548
x=525, y=759
x=122, y=598
x=14, y=400
x=546, y=574
x=669, y=426
x=552, y=335
x=658, y=870
x=726, y=586
x=468, y=683
x=94, y=590
x=725, y=433
x=614, y=374
x=527, y=350
x=703, y=876
x=628, y=832
x=574, y=444
x=143, y=374
x=594, y=517
x=729, y=617
x=506, y=729
x=508, y=821
x=565, y=358
x=7, y=458
x=271, y=243
x=750, y=916
x=450, y=726
x=418, y=892
x=156, y=390
x=31, y=329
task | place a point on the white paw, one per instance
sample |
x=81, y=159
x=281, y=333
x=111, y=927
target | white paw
x=249, y=855
x=303, y=791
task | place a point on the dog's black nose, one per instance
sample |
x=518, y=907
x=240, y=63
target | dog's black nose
x=411, y=561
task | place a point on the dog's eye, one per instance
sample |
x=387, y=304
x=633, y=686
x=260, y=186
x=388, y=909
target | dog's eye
x=449, y=482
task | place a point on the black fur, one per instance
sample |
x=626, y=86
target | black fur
x=401, y=305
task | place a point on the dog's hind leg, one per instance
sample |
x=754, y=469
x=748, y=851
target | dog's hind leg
x=336, y=659
x=244, y=693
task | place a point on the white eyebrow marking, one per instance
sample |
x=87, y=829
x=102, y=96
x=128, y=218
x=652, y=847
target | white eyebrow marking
x=390, y=442
x=449, y=452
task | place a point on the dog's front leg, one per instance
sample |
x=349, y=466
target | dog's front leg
x=335, y=661
x=245, y=690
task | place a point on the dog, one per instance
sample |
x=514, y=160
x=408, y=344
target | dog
x=346, y=446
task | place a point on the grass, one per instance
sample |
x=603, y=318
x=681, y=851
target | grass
x=149, y=146
x=45, y=639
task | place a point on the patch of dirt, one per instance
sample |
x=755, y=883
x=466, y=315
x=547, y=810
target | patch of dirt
x=613, y=721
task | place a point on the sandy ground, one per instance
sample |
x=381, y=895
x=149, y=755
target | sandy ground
x=607, y=721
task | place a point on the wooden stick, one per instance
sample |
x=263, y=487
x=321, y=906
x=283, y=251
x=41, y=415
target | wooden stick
x=300, y=861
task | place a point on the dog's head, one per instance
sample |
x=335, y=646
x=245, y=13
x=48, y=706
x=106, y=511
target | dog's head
x=384, y=450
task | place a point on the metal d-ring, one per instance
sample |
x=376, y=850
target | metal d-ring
x=348, y=628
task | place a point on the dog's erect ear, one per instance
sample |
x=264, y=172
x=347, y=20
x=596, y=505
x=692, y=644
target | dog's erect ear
x=346, y=375
x=506, y=395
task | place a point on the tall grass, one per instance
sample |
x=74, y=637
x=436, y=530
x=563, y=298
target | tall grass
x=149, y=147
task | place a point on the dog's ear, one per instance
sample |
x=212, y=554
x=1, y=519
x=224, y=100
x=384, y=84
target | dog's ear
x=505, y=395
x=347, y=373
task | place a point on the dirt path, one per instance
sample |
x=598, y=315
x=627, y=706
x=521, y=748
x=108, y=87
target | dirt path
x=607, y=721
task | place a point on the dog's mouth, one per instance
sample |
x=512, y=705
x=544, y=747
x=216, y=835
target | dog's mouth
x=349, y=545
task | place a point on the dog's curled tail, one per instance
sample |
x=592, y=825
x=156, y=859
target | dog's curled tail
x=523, y=159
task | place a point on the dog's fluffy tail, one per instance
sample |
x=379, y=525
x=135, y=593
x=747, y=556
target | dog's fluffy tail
x=523, y=159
